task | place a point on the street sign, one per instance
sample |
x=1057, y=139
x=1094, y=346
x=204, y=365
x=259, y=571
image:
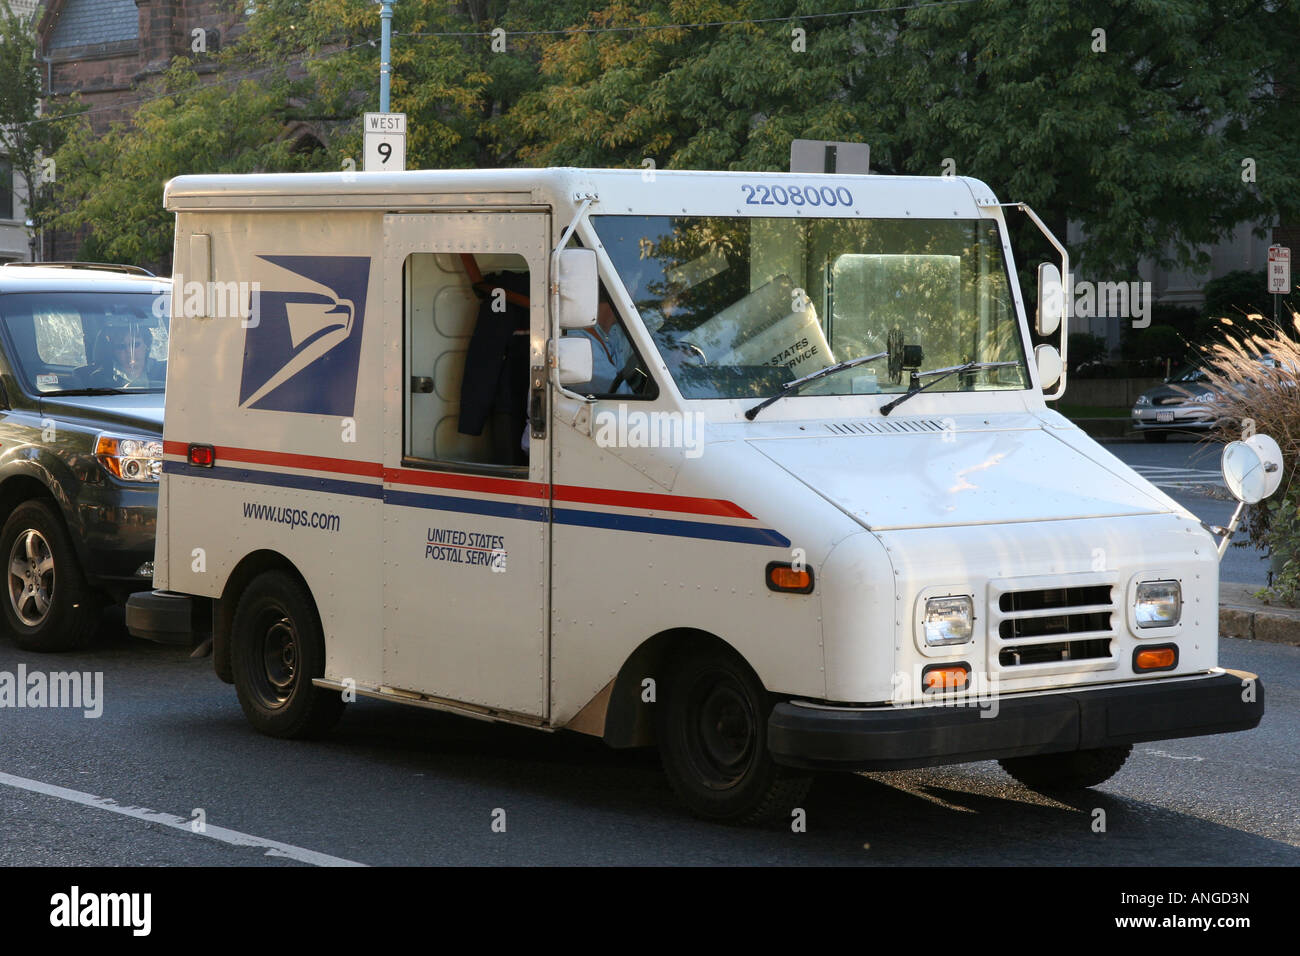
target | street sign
x=385, y=142
x=1279, y=270
x=825, y=156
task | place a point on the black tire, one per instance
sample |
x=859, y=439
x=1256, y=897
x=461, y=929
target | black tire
x=1156, y=437
x=1074, y=770
x=276, y=648
x=712, y=732
x=48, y=606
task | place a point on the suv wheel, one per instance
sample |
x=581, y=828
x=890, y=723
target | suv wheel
x=48, y=606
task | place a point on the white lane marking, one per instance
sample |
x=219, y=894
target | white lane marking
x=233, y=837
x=1163, y=476
x=1166, y=753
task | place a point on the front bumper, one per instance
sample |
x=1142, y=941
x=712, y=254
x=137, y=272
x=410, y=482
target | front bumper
x=164, y=617
x=1184, y=418
x=901, y=738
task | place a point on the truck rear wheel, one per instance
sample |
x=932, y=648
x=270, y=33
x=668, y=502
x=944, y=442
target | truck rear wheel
x=1074, y=770
x=712, y=732
x=276, y=648
x=48, y=606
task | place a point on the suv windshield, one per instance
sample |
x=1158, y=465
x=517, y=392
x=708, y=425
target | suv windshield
x=738, y=306
x=68, y=341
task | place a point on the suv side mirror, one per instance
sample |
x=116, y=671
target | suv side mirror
x=579, y=286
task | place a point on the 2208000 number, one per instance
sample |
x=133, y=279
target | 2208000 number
x=797, y=195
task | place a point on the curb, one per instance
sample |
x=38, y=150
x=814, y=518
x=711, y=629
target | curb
x=1258, y=624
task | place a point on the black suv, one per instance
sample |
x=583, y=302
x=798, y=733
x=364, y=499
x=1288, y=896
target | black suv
x=83, y=359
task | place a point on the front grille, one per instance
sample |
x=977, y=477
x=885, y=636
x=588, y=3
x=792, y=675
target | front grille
x=1052, y=625
x=1054, y=653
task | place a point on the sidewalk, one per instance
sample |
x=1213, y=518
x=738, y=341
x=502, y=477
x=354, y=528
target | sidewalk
x=1241, y=614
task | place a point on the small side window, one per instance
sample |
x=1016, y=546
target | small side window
x=467, y=331
x=618, y=370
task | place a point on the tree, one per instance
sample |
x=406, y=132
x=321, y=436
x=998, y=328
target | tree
x=111, y=186
x=1152, y=123
x=26, y=136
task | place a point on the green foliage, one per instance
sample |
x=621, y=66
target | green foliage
x=1141, y=144
x=113, y=184
x=1284, y=549
x=26, y=136
x=1087, y=349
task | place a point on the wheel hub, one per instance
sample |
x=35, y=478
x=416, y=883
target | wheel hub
x=31, y=578
x=280, y=657
x=727, y=732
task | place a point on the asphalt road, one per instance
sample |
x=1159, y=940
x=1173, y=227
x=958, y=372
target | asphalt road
x=397, y=785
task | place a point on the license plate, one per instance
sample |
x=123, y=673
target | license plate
x=1164, y=417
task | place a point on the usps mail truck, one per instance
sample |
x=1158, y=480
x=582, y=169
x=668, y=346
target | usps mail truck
x=755, y=468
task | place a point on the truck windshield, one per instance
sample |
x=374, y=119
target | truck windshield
x=100, y=341
x=737, y=306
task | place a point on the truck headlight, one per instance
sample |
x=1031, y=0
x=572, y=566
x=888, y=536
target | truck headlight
x=1158, y=604
x=130, y=458
x=948, y=620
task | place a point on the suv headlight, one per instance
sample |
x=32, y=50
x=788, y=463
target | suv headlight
x=948, y=620
x=130, y=458
x=1158, y=604
x=1142, y=400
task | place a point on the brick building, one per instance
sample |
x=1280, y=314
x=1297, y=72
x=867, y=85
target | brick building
x=106, y=49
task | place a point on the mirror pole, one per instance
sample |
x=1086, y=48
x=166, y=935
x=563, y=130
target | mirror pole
x=1231, y=529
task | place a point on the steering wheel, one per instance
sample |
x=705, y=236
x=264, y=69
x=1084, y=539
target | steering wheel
x=625, y=374
x=691, y=347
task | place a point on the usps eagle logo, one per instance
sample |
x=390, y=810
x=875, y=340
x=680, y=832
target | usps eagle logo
x=303, y=350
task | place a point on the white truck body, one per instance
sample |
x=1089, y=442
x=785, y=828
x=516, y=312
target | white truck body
x=555, y=593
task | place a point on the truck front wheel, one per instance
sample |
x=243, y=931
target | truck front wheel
x=712, y=733
x=276, y=648
x=1074, y=770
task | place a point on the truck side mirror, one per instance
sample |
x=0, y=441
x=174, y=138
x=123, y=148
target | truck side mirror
x=1252, y=469
x=574, y=353
x=1049, y=365
x=579, y=285
x=1051, y=299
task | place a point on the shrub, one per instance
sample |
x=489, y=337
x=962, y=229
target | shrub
x=1087, y=349
x=1267, y=398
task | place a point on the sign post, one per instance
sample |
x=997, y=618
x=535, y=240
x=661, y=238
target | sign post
x=825, y=156
x=385, y=142
x=1279, y=274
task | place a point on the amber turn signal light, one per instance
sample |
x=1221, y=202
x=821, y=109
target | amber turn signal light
x=785, y=577
x=1162, y=658
x=945, y=677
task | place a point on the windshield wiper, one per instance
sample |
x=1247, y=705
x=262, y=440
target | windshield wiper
x=791, y=388
x=85, y=391
x=942, y=373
